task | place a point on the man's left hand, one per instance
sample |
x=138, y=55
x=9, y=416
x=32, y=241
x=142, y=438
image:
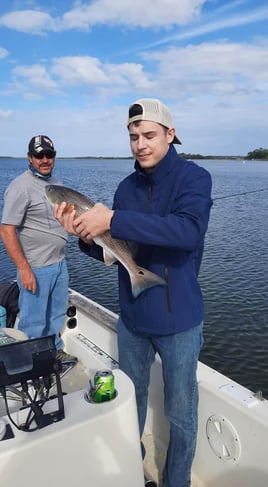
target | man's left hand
x=93, y=222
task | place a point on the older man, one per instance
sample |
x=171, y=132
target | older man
x=35, y=242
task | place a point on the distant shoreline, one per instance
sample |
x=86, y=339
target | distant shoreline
x=185, y=156
x=74, y=157
x=189, y=156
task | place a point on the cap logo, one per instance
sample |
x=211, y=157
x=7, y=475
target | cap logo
x=40, y=143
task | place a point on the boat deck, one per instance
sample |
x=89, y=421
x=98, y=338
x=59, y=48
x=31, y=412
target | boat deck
x=155, y=459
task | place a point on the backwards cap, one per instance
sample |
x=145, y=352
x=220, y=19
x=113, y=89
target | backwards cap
x=152, y=110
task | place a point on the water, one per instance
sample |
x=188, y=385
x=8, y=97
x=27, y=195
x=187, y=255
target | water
x=234, y=270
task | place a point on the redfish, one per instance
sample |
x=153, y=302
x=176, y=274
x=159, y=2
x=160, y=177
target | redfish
x=114, y=249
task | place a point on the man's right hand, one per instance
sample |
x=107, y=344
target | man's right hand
x=27, y=279
x=65, y=215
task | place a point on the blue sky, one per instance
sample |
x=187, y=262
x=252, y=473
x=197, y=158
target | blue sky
x=70, y=69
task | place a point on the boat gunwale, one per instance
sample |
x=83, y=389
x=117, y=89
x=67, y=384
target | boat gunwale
x=102, y=315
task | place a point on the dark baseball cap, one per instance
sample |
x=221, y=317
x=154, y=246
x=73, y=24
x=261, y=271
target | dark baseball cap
x=40, y=143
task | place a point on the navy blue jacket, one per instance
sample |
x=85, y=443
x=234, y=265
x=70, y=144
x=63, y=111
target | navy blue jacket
x=166, y=213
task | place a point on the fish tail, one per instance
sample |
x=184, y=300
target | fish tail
x=144, y=279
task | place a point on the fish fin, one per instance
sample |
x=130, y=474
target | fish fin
x=108, y=258
x=144, y=279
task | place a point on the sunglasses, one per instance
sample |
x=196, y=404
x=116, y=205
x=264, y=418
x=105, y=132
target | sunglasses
x=49, y=154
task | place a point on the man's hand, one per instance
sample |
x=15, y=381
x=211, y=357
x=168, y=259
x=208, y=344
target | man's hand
x=94, y=222
x=87, y=226
x=65, y=215
x=27, y=278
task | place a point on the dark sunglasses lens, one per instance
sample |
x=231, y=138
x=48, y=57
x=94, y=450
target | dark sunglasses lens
x=48, y=154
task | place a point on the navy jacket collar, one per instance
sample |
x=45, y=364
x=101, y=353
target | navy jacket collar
x=162, y=168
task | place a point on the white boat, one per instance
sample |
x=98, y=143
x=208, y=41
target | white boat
x=98, y=443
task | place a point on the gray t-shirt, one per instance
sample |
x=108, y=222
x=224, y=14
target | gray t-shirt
x=42, y=238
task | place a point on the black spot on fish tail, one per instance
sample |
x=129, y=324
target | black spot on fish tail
x=143, y=280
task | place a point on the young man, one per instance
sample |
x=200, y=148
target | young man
x=35, y=242
x=164, y=208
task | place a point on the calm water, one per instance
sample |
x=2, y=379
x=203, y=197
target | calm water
x=234, y=269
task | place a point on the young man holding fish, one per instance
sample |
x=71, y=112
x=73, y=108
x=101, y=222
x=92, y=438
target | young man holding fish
x=36, y=243
x=163, y=207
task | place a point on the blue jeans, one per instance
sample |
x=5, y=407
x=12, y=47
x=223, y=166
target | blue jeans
x=43, y=313
x=179, y=354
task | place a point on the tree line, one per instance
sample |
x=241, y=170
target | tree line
x=259, y=154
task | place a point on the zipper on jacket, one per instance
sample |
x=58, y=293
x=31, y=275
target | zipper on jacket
x=150, y=192
x=167, y=289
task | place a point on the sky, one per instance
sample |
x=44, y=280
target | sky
x=70, y=70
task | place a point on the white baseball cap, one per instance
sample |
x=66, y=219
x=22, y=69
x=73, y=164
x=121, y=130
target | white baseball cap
x=152, y=110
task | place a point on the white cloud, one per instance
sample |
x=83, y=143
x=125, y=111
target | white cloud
x=104, y=79
x=212, y=69
x=218, y=24
x=3, y=53
x=149, y=13
x=76, y=70
x=79, y=70
x=29, y=21
x=129, y=75
x=36, y=77
x=4, y=114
